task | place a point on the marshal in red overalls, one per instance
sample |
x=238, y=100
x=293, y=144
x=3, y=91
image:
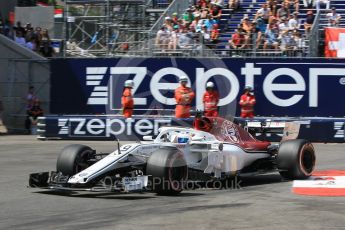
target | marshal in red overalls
x=247, y=103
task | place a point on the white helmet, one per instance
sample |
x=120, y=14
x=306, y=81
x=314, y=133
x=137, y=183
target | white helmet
x=209, y=84
x=183, y=79
x=129, y=83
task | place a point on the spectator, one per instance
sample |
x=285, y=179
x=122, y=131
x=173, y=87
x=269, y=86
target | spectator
x=162, y=38
x=284, y=25
x=31, y=44
x=28, y=28
x=188, y=17
x=271, y=36
x=234, y=4
x=214, y=34
x=294, y=5
x=309, y=20
x=237, y=41
x=46, y=49
x=272, y=4
x=333, y=18
x=185, y=40
x=246, y=25
x=288, y=44
x=323, y=2
x=308, y=3
x=168, y=24
x=293, y=21
x=209, y=22
x=205, y=34
x=196, y=23
x=216, y=13
x=218, y=3
x=264, y=12
x=284, y=11
x=30, y=98
x=261, y=25
x=33, y=113
x=204, y=13
x=20, y=28
x=300, y=43
x=19, y=39
x=255, y=36
x=172, y=45
x=174, y=19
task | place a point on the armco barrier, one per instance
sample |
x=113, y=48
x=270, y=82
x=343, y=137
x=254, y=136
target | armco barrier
x=106, y=127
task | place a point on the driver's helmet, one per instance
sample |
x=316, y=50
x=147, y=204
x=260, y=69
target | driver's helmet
x=183, y=138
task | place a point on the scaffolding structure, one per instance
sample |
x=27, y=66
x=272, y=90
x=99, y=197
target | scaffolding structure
x=105, y=27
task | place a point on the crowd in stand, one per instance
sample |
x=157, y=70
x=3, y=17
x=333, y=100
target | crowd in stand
x=275, y=27
x=35, y=39
x=200, y=23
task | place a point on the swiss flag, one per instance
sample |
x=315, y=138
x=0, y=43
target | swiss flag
x=335, y=42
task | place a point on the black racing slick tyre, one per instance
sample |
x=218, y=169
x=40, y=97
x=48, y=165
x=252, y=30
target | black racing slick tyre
x=296, y=159
x=73, y=159
x=168, y=171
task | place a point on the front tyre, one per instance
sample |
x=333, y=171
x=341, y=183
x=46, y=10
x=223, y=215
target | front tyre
x=73, y=159
x=168, y=169
x=296, y=159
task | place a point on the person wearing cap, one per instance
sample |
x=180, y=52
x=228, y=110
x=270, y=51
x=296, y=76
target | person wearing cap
x=247, y=103
x=127, y=99
x=210, y=100
x=184, y=96
x=323, y=2
x=333, y=18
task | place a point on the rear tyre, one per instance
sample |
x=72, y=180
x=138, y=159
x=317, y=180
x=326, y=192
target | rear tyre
x=73, y=159
x=296, y=159
x=168, y=169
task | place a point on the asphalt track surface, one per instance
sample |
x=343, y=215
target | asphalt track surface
x=263, y=202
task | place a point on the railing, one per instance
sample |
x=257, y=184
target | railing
x=314, y=37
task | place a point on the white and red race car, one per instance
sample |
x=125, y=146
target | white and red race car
x=215, y=149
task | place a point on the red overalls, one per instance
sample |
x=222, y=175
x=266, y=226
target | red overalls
x=127, y=102
x=210, y=100
x=247, y=103
x=184, y=97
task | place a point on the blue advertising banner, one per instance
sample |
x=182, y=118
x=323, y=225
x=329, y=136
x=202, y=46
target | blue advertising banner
x=283, y=87
x=109, y=127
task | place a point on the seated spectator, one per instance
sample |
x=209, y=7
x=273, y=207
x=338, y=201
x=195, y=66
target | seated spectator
x=255, y=36
x=284, y=11
x=309, y=20
x=209, y=22
x=188, y=17
x=264, y=12
x=322, y=2
x=172, y=45
x=204, y=13
x=246, y=25
x=288, y=43
x=261, y=25
x=168, y=23
x=185, y=40
x=272, y=4
x=271, y=37
x=300, y=43
x=293, y=21
x=19, y=39
x=33, y=113
x=216, y=12
x=205, y=35
x=174, y=19
x=195, y=23
x=333, y=18
x=202, y=3
x=284, y=25
x=237, y=41
x=294, y=5
x=217, y=2
x=214, y=34
x=234, y=4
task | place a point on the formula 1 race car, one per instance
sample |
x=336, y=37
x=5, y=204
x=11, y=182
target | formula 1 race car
x=215, y=149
